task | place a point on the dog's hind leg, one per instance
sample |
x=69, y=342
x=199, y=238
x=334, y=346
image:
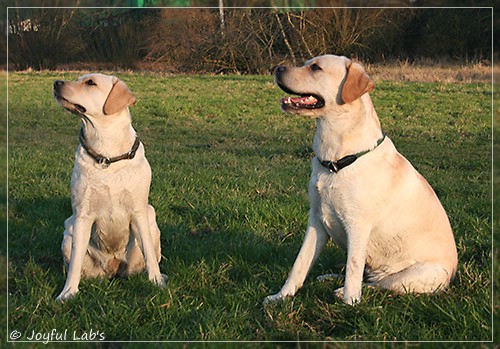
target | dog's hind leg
x=155, y=232
x=147, y=236
x=418, y=278
x=135, y=258
x=67, y=243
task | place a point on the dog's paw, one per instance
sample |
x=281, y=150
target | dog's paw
x=275, y=298
x=351, y=300
x=66, y=294
x=160, y=280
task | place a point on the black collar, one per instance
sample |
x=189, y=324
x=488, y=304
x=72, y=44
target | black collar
x=336, y=166
x=105, y=161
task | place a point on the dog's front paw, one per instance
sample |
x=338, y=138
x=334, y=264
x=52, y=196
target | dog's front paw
x=66, y=294
x=274, y=298
x=351, y=300
x=160, y=280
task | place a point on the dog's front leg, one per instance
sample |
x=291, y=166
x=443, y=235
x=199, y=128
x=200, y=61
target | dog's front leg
x=81, y=237
x=140, y=227
x=357, y=242
x=314, y=242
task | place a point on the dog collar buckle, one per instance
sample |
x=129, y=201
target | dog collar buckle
x=104, y=162
x=131, y=154
x=331, y=166
x=336, y=166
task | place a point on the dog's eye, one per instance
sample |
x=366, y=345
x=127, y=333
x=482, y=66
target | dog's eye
x=315, y=67
x=90, y=83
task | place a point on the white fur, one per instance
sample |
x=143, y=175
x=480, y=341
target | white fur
x=379, y=209
x=112, y=229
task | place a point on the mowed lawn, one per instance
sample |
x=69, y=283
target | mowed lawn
x=230, y=174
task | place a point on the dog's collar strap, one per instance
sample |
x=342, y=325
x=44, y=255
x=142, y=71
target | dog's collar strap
x=336, y=166
x=103, y=160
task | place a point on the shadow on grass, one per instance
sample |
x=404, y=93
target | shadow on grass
x=36, y=229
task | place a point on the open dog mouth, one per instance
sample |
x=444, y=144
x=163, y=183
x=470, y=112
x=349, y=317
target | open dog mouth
x=68, y=105
x=305, y=101
x=80, y=108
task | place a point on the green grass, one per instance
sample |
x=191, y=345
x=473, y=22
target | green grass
x=230, y=175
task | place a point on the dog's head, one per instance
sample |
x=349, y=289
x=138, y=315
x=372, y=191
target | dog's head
x=323, y=83
x=93, y=95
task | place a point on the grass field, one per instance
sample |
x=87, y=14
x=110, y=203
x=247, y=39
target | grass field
x=230, y=175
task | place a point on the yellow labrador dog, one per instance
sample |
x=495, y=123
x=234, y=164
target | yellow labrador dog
x=113, y=229
x=363, y=194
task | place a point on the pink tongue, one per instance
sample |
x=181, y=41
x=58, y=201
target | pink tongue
x=307, y=100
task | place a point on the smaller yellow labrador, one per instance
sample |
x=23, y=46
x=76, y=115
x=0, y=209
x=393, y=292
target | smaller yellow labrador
x=363, y=194
x=113, y=229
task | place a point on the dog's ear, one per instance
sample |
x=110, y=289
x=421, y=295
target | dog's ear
x=119, y=98
x=357, y=83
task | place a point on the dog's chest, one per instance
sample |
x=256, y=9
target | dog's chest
x=331, y=207
x=347, y=207
x=113, y=211
x=111, y=198
x=105, y=190
x=108, y=203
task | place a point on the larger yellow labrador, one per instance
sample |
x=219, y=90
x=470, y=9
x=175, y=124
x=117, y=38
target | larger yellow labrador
x=363, y=194
x=113, y=228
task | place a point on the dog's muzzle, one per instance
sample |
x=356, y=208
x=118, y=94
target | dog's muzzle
x=58, y=95
x=304, y=101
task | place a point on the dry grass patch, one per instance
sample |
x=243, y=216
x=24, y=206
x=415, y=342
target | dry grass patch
x=403, y=71
x=429, y=71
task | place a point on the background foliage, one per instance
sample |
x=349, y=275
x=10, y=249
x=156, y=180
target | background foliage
x=242, y=40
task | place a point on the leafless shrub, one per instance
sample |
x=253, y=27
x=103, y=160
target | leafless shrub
x=116, y=37
x=243, y=41
x=253, y=40
x=364, y=33
x=184, y=40
x=41, y=38
x=249, y=42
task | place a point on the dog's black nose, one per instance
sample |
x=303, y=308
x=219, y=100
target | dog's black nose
x=280, y=69
x=58, y=83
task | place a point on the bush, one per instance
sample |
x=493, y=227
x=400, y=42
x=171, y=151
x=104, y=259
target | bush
x=116, y=36
x=183, y=40
x=42, y=38
x=243, y=41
